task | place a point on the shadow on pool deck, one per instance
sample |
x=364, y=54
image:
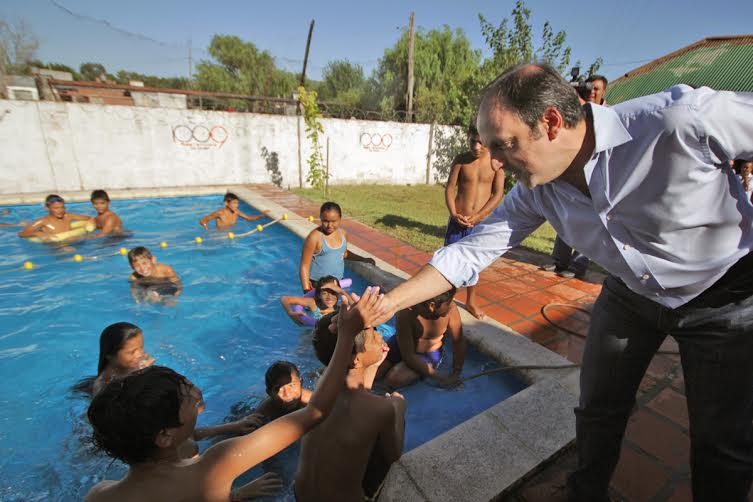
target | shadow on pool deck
x=655, y=455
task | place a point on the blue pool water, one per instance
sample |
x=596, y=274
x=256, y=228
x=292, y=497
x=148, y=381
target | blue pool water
x=225, y=330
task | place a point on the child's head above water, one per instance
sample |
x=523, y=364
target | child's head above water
x=368, y=347
x=100, y=200
x=283, y=381
x=55, y=205
x=141, y=260
x=231, y=201
x=151, y=409
x=437, y=307
x=121, y=344
x=326, y=297
x=330, y=215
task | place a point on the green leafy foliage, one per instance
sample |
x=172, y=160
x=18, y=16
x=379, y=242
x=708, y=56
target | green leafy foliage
x=317, y=174
x=92, y=71
x=343, y=82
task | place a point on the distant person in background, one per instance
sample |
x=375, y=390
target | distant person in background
x=744, y=170
x=5, y=212
x=568, y=262
x=474, y=189
x=107, y=221
x=326, y=248
x=227, y=216
x=57, y=221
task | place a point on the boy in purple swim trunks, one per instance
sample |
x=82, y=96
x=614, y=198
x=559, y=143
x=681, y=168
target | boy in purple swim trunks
x=480, y=185
x=416, y=350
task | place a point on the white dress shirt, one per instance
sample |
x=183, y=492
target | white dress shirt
x=666, y=215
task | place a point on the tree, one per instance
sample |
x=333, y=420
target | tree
x=239, y=67
x=443, y=62
x=343, y=83
x=18, y=44
x=92, y=71
x=124, y=77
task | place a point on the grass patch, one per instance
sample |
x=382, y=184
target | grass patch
x=414, y=214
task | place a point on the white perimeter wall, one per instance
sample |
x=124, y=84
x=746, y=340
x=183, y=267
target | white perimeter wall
x=49, y=146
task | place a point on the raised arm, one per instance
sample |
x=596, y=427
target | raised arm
x=304, y=301
x=498, y=191
x=228, y=459
x=307, y=254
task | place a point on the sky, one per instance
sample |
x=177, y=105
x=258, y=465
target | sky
x=152, y=37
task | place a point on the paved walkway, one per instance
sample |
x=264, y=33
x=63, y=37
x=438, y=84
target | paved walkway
x=655, y=456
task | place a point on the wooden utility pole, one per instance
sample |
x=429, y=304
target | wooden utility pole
x=190, y=65
x=409, y=117
x=306, y=56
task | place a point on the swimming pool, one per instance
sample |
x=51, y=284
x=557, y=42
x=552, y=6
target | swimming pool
x=225, y=330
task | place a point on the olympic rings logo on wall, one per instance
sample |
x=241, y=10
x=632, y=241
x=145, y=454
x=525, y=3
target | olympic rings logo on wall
x=375, y=142
x=200, y=137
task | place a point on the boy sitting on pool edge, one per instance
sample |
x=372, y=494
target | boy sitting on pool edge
x=416, y=350
x=151, y=280
x=227, y=216
x=363, y=433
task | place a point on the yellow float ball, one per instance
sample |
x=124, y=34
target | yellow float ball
x=259, y=228
x=163, y=244
x=199, y=240
x=123, y=251
x=285, y=216
x=311, y=218
x=230, y=235
x=78, y=258
x=28, y=265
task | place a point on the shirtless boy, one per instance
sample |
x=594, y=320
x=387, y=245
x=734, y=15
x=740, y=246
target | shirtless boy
x=286, y=394
x=480, y=186
x=57, y=221
x=334, y=456
x=227, y=216
x=143, y=418
x=107, y=221
x=416, y=349
x=326, y=248
x=151, y=280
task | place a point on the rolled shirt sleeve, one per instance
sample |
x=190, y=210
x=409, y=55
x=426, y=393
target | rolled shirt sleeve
x=518, y=215
x=727, y=118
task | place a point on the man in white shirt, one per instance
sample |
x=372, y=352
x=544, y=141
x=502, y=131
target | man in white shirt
x=645, y=190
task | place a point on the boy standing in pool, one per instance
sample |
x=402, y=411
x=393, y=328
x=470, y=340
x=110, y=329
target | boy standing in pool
x=417, y=347
x=56, y=222
x=227, y=216
x=153, y=280
x=107, y=221
x=326, y=248
x=335, y=456
x=480, y=186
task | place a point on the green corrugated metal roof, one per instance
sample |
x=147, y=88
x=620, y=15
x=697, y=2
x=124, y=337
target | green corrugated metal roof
x=716, y=63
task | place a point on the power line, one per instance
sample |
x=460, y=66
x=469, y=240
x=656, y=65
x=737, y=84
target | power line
x=129, y=34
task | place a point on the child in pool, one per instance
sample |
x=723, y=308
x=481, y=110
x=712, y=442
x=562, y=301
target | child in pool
x=55, y=222
x=144, y=418
x=325, y=248
x=323, y=302
x=150, y=281
x=227, y=216
x=107, y=221
x=121, y=352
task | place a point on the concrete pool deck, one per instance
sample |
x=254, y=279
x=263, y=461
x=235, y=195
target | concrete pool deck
x=502, y=453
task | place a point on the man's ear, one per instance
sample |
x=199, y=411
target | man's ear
x=154, y=260
x=164, y=439
x=553, y=122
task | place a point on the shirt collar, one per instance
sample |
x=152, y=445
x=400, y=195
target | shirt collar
x=608, y=129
